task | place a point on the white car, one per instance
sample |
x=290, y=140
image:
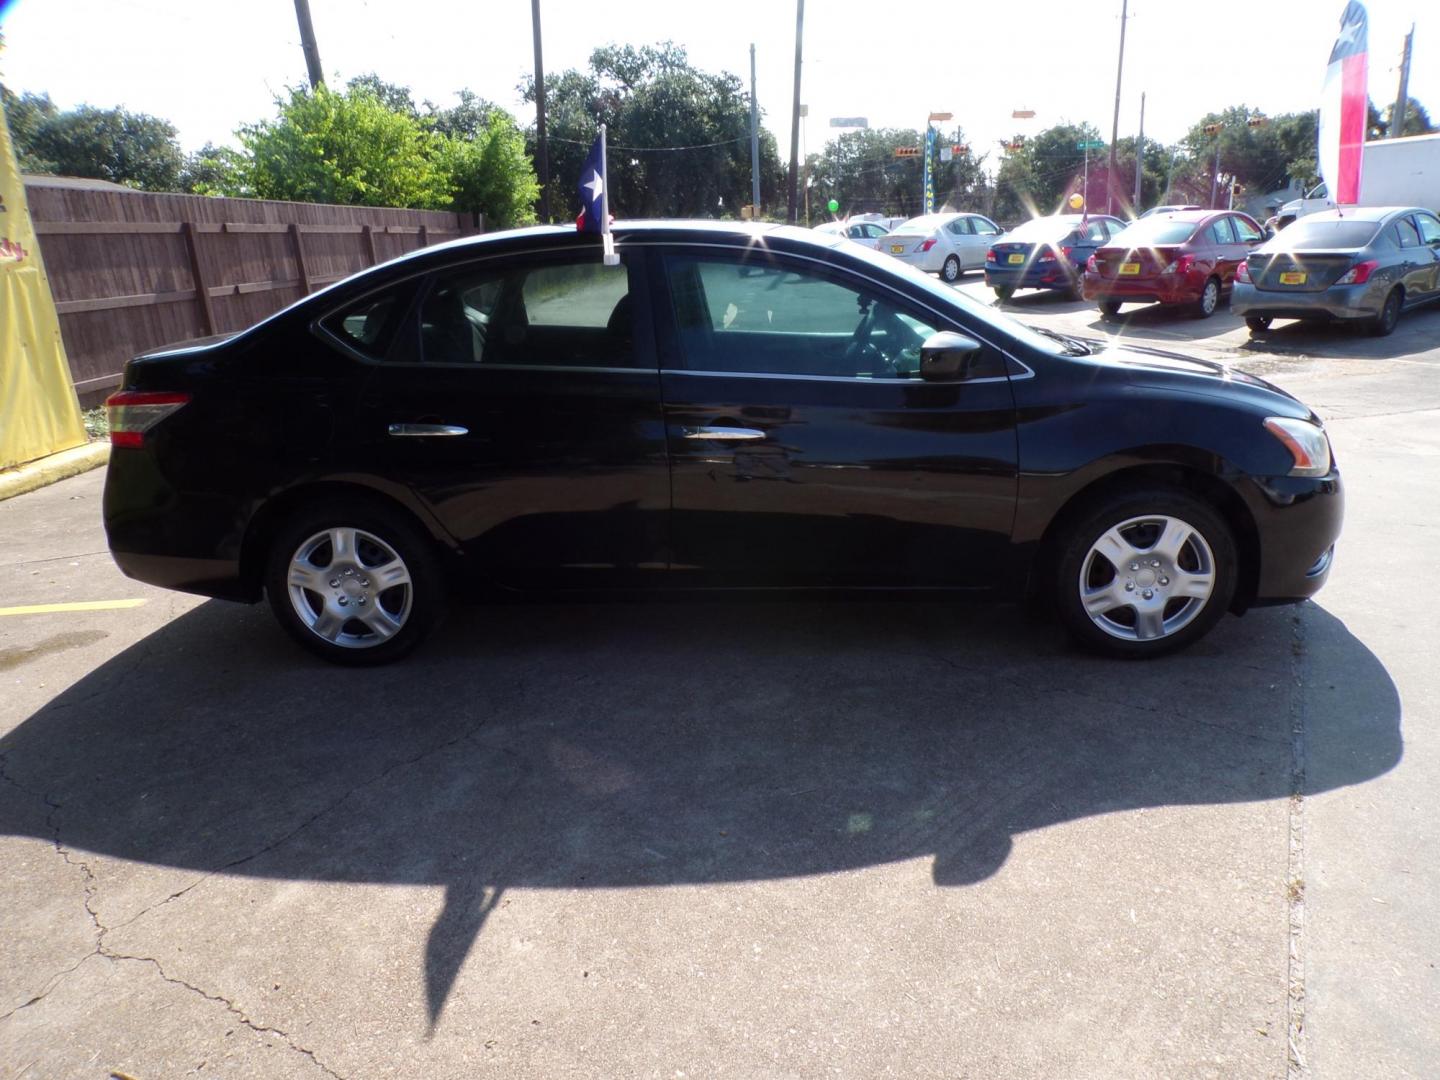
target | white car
x=944, y=244
x=862, y=232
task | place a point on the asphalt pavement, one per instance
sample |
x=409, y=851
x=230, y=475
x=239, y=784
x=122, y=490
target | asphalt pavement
x=740, y=839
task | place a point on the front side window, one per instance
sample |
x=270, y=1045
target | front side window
x=559, y=314
x=1429, y=228
x=785, y=319
x=1246, y=232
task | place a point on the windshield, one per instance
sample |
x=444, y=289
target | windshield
x=1308, y=234
x=1152, y=232
x=928, y=223
x=1044, y=229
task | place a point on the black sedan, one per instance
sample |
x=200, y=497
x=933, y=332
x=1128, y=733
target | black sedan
x=729, y=408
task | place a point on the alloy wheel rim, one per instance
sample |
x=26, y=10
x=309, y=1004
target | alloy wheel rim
x=1147, y=578
x=1210, y=297
x=350, y=588
x=952, y=268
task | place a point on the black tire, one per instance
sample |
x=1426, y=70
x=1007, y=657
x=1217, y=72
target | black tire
x=1182, y=619
x=1258, y=324
x=1003, y=293
x=399, y=616
x=1209, y=300
x=1383, y=325
x=950, y=271
x=1110, y=309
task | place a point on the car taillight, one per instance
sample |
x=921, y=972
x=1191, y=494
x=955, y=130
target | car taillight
x=1046, y=256
x=1067, y=251
x=990, y=256
x=928, y=244
x=1180, y=265
x=134, y=412
x=1091, y=265
x=1360, y=273
x=1242, y=272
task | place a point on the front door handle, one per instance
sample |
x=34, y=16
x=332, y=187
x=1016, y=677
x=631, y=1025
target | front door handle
x=428, y=430
x=723, y=434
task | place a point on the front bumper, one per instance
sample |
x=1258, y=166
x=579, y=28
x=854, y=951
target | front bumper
x=1336, y=302
x=1298, y=521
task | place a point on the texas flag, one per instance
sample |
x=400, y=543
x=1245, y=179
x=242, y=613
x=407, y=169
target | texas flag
x=1343, y=105
x=594, y=201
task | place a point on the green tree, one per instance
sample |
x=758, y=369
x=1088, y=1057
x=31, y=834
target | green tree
x=679, y=137
x=1417, y=120
x=213, y=170
x=104, y=144
x=393, y=96
x=490, y=173
x=343, y=147
x=1036, y=178
x=26, y=113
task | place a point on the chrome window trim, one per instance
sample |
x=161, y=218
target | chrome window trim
x=1029, y=372
x=849, y=379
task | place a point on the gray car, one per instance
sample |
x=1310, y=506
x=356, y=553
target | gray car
x=1356, y=264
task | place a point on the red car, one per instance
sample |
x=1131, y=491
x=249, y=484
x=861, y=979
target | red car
x=1187, y=257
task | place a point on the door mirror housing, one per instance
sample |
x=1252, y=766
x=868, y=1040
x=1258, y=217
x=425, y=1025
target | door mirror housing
x=945, y=356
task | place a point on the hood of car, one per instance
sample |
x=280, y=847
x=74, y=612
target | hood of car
x=1146, y=366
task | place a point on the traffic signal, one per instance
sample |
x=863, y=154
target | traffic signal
x=1257, y=121
x=1212, y=129
x=907, y=151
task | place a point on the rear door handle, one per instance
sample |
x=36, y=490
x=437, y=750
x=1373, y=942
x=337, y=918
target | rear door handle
x=428, y=430
x=723, y=434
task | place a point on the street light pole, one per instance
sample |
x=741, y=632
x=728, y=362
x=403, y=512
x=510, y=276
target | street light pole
x=1139, y=152
x=793, y=207
x=754, y=143
x=1115, y=126
x=542, y=151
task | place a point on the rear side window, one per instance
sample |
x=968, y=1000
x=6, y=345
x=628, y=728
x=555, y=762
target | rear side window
x=369, y=326
x=552, y=314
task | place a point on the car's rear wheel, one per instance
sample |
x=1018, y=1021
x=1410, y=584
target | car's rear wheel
x=1144, y=573
x=354, y=583
x=1003, y=293
x=1258, y=324
x=1209, y=299
x=1110, y=308
x=951, y=270
x=1383, y=325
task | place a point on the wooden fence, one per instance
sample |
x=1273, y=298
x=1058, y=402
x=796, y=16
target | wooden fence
x=133, y=270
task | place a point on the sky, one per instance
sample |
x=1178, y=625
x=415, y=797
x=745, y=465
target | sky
x=209, y=66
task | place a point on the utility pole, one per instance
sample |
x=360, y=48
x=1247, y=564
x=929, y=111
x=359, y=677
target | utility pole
x=754, y=142
x=1139, y=152
x=542, y=150
x=1115, y=126
x=307, y=43
x=1402, y=100
x=1215, y=178
x=792, y=204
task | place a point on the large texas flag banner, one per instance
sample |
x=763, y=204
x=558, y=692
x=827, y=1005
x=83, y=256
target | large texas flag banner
x=1343, y=108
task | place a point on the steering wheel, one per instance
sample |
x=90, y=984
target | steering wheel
x=862, y=354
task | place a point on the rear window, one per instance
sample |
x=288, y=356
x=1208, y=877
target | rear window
x=1044, y=229
x=1155, y=231
x=921, y=224
x=1308, y=235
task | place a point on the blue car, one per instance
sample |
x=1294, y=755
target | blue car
x=1047, y=253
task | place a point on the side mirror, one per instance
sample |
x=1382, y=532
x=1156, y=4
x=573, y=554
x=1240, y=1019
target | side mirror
x=944, y=355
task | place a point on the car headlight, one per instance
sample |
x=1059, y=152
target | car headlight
x=1308, y=444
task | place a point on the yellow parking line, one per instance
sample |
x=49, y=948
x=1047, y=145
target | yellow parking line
x=83, y=605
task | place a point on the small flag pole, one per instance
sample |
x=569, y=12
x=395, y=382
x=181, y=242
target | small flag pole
x=610, y=257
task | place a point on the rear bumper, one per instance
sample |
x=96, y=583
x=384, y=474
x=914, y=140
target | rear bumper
x=1161, y=288
x=1298, y=522
x=1034, y=276
x=1336, y=302
x=930, y=261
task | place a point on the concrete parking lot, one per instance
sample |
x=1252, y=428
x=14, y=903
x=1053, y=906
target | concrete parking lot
x=741, y=839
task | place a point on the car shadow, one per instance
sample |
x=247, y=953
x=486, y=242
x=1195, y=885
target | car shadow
x=573, y=746
x=1417, y=333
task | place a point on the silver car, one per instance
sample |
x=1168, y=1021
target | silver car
x=1357, y=264
x=944, y=244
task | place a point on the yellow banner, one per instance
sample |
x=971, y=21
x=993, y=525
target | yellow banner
x=38, y=411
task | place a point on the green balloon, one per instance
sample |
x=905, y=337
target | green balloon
x=833, y=205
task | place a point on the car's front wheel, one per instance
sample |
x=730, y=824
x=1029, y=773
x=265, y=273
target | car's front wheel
x=1145, y=573
x=354, y=583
